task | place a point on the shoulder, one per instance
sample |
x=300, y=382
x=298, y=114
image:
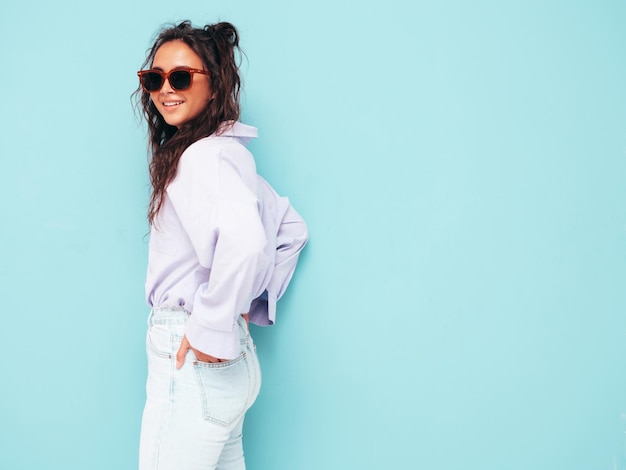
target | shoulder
x=228, y=143
x=209, y=154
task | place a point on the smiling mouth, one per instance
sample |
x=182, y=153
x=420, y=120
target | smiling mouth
x=172, y=103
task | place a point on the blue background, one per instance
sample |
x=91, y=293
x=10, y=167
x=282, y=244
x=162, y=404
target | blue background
x=461, y=166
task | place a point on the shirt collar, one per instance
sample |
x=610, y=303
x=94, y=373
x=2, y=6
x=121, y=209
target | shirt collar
x=240, y=131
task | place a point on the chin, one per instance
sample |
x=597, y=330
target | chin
x=172, y=122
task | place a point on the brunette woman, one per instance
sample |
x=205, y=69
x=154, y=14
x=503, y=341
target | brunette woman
x=223, y=247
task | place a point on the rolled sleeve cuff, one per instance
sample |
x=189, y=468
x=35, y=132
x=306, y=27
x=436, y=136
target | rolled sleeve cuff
x=219, y=344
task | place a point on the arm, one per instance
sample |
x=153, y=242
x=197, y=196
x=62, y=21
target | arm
x=215, y=199
x=290, y=236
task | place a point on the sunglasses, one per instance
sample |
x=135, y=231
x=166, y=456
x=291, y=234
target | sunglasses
x=180, y=78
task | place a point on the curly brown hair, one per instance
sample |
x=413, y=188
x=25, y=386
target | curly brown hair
x=216, y=45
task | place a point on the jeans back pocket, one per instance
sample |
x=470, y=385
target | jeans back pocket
x=224, y=389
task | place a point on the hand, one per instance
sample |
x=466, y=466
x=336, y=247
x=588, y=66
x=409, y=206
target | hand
x=182, y=352
x=185, y=346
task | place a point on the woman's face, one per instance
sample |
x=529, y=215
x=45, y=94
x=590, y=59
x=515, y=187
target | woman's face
x=178, y=107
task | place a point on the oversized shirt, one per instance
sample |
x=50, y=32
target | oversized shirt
x=210, y=253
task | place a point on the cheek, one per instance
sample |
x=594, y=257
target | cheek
x=201, y=102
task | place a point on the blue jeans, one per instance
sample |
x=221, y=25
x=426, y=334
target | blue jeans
x=193, y=417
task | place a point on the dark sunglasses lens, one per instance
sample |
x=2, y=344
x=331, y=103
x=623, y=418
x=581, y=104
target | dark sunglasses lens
x=152, y=81
x=180, y=79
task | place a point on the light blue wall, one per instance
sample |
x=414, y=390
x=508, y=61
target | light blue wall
x=462, y=168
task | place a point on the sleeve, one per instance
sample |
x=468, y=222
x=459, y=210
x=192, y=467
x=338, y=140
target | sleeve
x=215, y=199
x=291, y=237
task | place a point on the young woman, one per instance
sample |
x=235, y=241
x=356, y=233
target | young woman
x=223, y=247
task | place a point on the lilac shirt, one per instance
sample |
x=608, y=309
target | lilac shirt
x=208, y=245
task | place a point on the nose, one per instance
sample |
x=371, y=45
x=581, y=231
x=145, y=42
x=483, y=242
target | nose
x=167, y=87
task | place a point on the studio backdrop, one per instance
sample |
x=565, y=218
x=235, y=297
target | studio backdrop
x=462, y=170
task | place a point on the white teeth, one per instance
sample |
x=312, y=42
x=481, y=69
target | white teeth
x=173, y=103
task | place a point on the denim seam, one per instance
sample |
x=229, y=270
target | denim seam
x=166, y=421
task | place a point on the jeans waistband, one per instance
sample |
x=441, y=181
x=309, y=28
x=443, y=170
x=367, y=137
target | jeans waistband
x=168, y=316
x=179, y=316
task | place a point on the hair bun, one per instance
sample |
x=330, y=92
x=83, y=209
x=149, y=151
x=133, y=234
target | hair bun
x=223, y=30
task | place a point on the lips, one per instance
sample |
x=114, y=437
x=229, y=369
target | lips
x=168, y=104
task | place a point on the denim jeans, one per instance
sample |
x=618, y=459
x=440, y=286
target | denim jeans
x=193, y=416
